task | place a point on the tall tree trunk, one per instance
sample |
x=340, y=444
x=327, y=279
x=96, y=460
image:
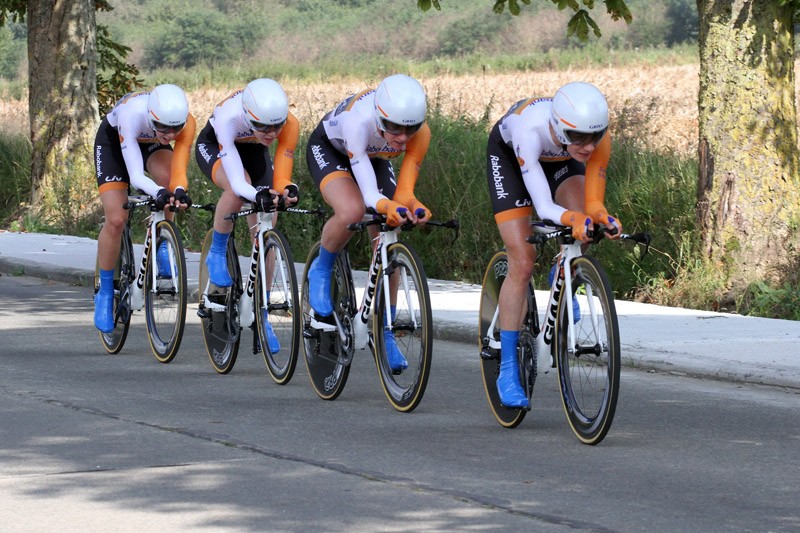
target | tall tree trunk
x=748, y=191
x=63, y=102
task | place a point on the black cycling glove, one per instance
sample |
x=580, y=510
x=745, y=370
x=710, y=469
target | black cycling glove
x=162, y=198
x=182, y=197
x=264, y=201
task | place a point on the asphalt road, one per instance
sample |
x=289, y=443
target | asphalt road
x=91, y=442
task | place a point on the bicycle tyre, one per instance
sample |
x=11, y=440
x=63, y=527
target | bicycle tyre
x=327, y=358
x=493, y=278
x=124, y=273
x=412, y=327
x=165, y=304
x=282, y=311
x=589, y=374
x=221, y=329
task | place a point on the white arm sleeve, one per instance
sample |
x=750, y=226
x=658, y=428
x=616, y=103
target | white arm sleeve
x=535, y=181
x=234, y=168
x=133, y=158
x=356, y=142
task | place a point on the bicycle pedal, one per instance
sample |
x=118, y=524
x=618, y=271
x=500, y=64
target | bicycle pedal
x=490, y=354
x=320, y=325
x=310, y=333
x=202, y=312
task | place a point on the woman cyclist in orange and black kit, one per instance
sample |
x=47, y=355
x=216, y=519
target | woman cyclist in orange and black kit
x=550, y=154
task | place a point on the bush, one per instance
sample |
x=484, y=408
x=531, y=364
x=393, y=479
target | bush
x=468, y=35
x=12, y=48
x=197, y=38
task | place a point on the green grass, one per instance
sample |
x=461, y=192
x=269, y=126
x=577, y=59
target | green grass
x=15, y=170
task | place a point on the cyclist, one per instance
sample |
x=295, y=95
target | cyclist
x=356, y=141
x=134, y=138
x=553, y=153
x=233, y=151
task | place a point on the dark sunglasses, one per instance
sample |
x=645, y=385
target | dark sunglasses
x=164, y=128
x=399, y=129
x=266, y=128
x=582, y=138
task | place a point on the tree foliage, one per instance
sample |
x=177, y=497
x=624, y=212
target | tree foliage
x=115, y=76
x=579, y=25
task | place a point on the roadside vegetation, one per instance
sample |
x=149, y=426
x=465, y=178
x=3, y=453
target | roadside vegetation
x=205, y=45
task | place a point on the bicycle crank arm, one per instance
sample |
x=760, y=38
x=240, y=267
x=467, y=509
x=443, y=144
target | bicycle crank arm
x=322, y=326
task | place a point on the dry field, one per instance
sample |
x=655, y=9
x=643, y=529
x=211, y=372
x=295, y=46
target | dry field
x=662, y=100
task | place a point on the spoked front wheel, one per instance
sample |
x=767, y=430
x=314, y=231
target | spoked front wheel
x=278, y=310
x=327, y=355
x=409, y=327
x=165, y=292
x=588, y=370
x=489, y=341
x=219, y=311
x=123, y=277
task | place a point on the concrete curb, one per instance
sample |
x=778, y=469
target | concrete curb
x=73, y=276
x=677, y=341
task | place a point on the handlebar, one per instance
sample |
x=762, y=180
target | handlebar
x=130, y=205
x=380, y=220
x=547, y=230
x=319, y=212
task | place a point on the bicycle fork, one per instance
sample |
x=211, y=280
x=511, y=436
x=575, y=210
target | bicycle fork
x=137, y=291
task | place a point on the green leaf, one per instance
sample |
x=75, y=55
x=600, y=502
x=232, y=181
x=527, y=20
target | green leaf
x=499, y=6
x=579, y=26
x=513, y=7
x=618, y=9
x=425, y=5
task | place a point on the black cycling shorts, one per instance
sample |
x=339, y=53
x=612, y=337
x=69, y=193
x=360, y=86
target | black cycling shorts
x=255, y=158
x=506, y=187
x=109, y=163
x=325, y=162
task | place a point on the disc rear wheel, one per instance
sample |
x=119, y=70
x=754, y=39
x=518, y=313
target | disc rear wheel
x=123, y=278
x=327, y=355
x=219, y=311
x=489, y=341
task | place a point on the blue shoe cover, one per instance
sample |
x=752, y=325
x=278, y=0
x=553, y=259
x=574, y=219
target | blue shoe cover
x=509, y=386
x=103, y=311
x=319, y=290
x=397, y=361
x=272, y=339
x=218, y=269
x=162, y=260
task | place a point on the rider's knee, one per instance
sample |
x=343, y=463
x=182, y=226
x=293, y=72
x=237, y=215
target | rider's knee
x=115, y=221
x=351, y=214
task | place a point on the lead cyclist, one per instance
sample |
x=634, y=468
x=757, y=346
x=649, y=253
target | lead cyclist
x=551, y=154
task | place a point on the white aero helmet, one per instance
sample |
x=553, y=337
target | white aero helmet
x=167, y=108
x=265, y=104
x=579, y=114
x=400, y=104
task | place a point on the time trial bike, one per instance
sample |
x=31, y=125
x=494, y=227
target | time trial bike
x=158, y=288
x=580, y=339
x=266, y=302
x=395, y=299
